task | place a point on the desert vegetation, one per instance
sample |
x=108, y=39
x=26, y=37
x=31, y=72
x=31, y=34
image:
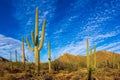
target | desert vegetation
x=96, y=65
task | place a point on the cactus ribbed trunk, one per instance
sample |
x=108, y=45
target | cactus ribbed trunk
x=37, y=59
x=49, y=57
x=37, y=46
x=91, y=59
x=23, y=52
x=95, y=57
x=113, y=60
x=16, y=56
x=11, y=62
x=87, y=52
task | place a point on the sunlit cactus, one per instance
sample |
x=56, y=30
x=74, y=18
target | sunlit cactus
x=49, y=57
x=87, y=52
x=16, y=56
x=91, y=59
x=23, y=52
x=37, y=46
x=113, y=60
x=95, y=63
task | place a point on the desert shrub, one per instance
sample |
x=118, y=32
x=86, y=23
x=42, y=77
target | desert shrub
x=82, y=64
x=1, y=73
x=44, y=66
x=56, y=66
x=75, y=77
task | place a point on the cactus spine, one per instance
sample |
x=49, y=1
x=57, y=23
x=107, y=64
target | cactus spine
x=16, y=56
x=37, y=46
x=87, y=52
x=49, y=57
x=23, y=52
x=95, y=57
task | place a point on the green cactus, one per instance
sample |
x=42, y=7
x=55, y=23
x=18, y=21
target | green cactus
x=23, y=52
x=11, y=63
x=91, y=59
x=95, y=63
x=87, y=52
x=113, y=60
x=16, y=56
x=49, y=57
x=37, y=46
x=10, y=56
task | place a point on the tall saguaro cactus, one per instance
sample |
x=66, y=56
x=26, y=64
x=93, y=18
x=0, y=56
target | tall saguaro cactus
x=23, y=52
x=95, y=64
x=37, y=46
x=16, y=56
x=49, y=57
x=87, y=52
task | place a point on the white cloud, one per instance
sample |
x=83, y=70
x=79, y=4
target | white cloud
x=58, y=31
x=10, y=45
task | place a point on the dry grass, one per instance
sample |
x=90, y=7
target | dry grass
x=61, y=70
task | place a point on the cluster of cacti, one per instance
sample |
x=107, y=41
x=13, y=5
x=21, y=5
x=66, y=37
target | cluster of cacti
x=91, y=59
x=49, y=57
x=23, y=52
x=37, y=46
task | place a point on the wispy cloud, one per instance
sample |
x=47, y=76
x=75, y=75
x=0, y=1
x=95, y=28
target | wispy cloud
x=9, y=45
x=59, y=31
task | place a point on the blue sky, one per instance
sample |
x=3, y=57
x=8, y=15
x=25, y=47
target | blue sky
x=69, y=23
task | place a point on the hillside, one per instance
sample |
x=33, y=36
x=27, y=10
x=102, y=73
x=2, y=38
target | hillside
x=101, y=56
x=3, y=59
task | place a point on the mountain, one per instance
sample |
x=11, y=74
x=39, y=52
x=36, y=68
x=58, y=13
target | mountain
x=101, y=56
x=3, y=59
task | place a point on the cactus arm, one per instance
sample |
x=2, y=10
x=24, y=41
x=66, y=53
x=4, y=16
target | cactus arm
x=49, y=57
x=42, y=35
x=87, y=52
x=90, y=58
x=33, y=37
x=29, y=46
x=23, y=51
x=36, y=22
x=94, y=56
x=49, y=50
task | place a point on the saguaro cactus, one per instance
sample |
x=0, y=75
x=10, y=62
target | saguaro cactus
x=11, y=61
x=16, y=56
x=113, y=60
x=87, y=52
x=49, y=57
x=95, y=57
x=91, y=59
x=23, y=52
x=37, y=46
x=10, y=56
